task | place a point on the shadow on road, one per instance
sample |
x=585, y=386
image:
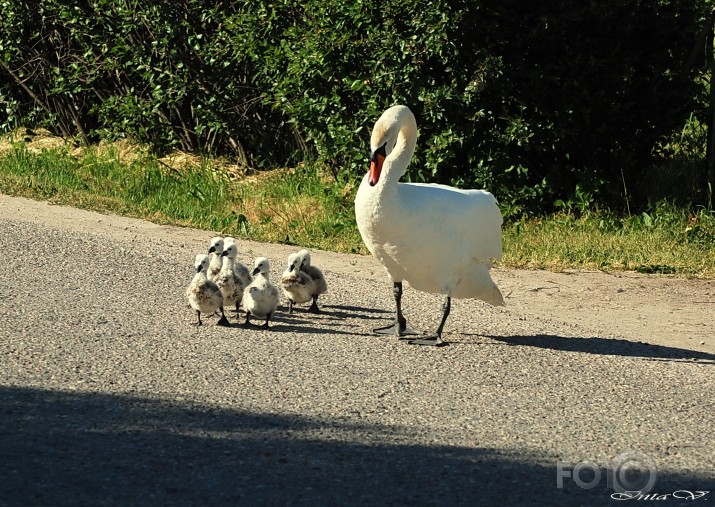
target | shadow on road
x=67, y=448
x=608, y=346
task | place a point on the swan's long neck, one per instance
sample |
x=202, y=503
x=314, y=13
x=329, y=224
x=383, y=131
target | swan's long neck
x=396, y=163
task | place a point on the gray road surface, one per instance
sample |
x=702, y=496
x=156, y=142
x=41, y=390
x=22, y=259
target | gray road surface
x=110, y=396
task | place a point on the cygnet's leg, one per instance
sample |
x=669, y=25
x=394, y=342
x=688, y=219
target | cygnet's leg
x=290, y=305
x=248, y=318
x=268, y=317
x=238, y=312
x=198, y=316
x=399, y=327
x=314, y=307
x=435, y=340
x=223, y=321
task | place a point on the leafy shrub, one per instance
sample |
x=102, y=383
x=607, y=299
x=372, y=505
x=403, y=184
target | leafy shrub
x=531, y=100
x=163, y=73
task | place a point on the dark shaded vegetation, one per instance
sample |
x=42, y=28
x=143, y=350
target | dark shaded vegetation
x=597, y=101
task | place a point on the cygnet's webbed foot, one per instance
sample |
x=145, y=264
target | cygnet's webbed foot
x=314, y=307
x=223, y=321
x=429, y=340
x=396, y=329
x=268, y=318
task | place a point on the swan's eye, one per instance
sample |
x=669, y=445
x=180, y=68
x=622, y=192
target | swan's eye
x=378, y=151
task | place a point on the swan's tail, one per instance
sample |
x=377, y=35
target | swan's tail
x=494, y=296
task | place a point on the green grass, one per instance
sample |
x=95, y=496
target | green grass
x=299, y=206
x=669, y=240
x=306, y=207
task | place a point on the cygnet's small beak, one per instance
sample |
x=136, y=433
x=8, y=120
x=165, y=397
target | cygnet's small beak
x=198, y=269
x=212, y=249
x=224, y=253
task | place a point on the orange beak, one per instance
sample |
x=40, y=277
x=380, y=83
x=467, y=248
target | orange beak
x=375, y=169
x=376, y=161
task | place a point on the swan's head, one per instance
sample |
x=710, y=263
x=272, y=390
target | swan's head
x=201, y=263
x=386, y=134
x=262, y=266
x=294, y=262
x=216, y=245
x=304, y=256
x=231, y=251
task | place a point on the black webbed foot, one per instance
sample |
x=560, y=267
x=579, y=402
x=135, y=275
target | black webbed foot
x=396, y=329
x=429, y=340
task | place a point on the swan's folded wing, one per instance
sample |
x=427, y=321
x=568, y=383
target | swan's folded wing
x=464, y=221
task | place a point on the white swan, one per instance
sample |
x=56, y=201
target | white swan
x=302, y=282
x=438, y=238
x=203, y=294
x=260, y=299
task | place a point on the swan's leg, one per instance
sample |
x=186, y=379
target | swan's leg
x=223, y=321
x=399, y=327
x=314, y=307
x=436, y=339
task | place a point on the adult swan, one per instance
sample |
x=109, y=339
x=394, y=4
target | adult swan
x=438, y=238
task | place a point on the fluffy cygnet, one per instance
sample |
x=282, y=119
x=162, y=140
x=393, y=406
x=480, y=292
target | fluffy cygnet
x=215, y=251
x=260, y=298
x=231, y=285
x=238, y=267
x=203, y=294
x=302, y=282
x=320, y=286
x=297, y=285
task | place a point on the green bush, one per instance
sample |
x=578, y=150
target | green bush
x=531, y=100
x=163, y=73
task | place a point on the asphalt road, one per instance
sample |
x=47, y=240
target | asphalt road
x=110, y=396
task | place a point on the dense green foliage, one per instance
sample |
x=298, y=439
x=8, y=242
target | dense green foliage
x=536, y=101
